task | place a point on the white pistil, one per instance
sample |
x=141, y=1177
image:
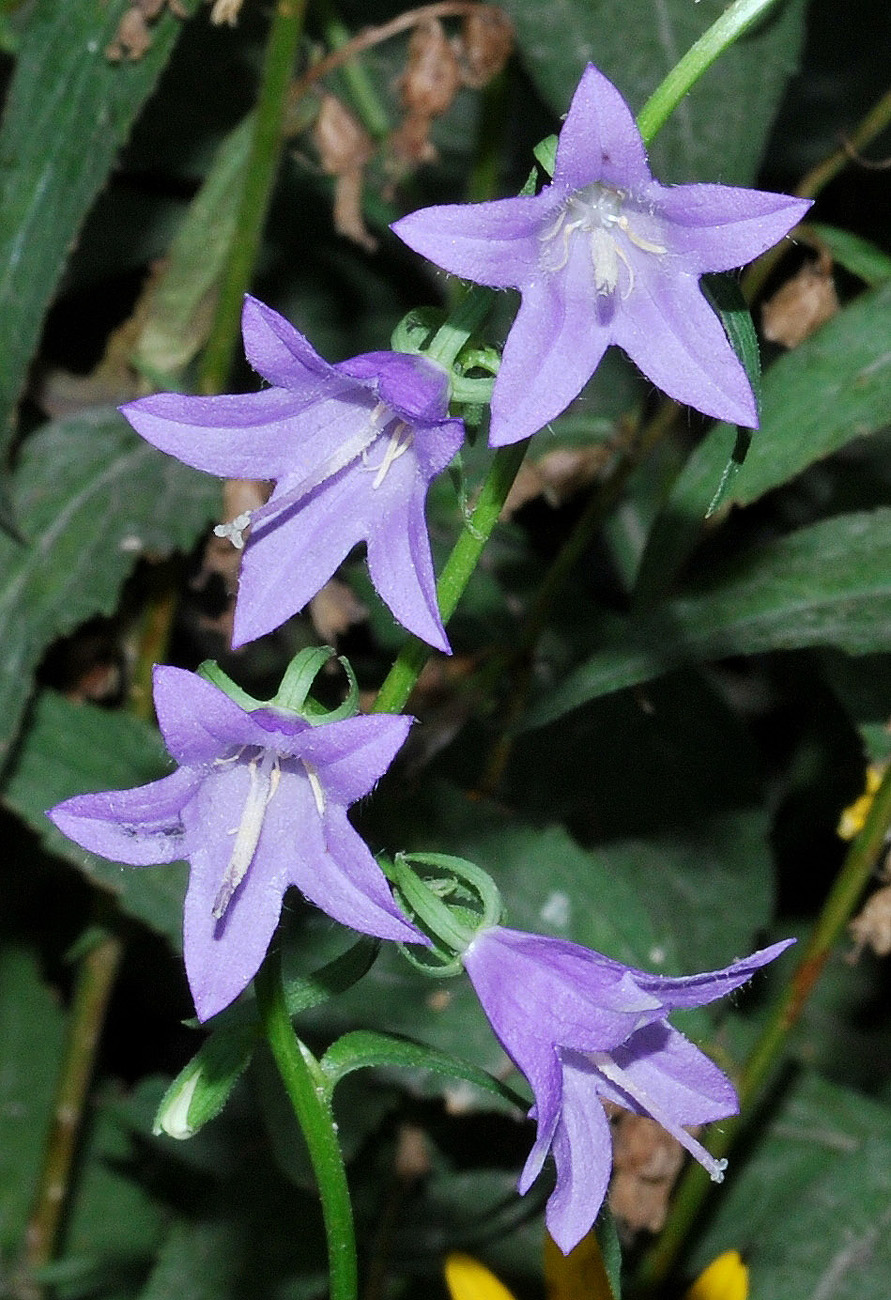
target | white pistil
x=315, y=785
x=603, y=1062
x=265, y=775
x=597, y=212
x=339, y=459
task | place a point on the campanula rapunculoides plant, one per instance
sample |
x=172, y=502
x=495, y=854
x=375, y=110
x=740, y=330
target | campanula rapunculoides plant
x=607, y=255
x=581, y=1028
x=351, y=447
x=258, y=803
x=602, y=255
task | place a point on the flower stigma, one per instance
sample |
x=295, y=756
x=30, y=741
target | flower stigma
x=606, y=1065
x=265, y=775
x=596, y=210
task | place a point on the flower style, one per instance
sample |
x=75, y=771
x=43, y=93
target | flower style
x=352, y=448
x=583, y=1027
x=607, y=255
x=257, y=803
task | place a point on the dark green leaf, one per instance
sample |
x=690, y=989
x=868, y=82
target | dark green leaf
x=91, y=497
x=31, y=1026
x=809, y=1209
x=831, y=389
x=829, y=584
x=719, y=129
x=854, y=253
x=75, y=748
x=68, y=112
x=201, y=1261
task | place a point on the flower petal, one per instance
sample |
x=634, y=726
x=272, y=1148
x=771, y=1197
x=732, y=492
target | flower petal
x=141, y=827
x=583, y=1152
x=291, y=557
x=600, y=140
x=555, y=344
x=679, y=1077
x=242, y=435
x=351, y=756
x=490, y=243
x=417, y=388
x=332, y=865
x=677, y=340
x=401, y=567
x=717, y=227
x=282, y=355
x=697, y=990
x=198, y=721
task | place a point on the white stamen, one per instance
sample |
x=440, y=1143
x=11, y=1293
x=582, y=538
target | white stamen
x=603, y=1062
x=596, y=211
x=400, y=440
x=264, y=778
x=316, y=786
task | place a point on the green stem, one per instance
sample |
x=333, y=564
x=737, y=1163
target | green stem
x=459, y=567
x=364, y=97
x=310, y=1095
x=733, y=23
x=96, y=974
x=281, y=50
x=835, y=914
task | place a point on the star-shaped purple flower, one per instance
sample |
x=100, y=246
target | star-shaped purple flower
x=607, y=255
x=582, y=1028
x=352, y=448
x=259, y=802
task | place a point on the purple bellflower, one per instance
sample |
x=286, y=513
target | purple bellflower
x=257, y=803
x=582, y=1027
x=352, y=448
x=607, y=255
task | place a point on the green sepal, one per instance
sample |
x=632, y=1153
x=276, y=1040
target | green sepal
x=416, y=330
x=546, y=154
x=363, y=1049
x=292, y=699
x=305, y=991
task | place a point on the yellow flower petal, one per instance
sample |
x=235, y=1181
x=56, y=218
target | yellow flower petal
x=468, y=1279
x=726, y=1278
x=580, y=1275
x=851, y=821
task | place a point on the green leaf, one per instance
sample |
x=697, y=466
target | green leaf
x=68, y=111
x=854, y=253
x=90, y=497
x=831, y=389
x=31, y=1028
x=75, y=748
x=718, y=131
x=362, y=1049
x=178, y=315
x=809, y=1208
x=829, y=584
x=200, y=1260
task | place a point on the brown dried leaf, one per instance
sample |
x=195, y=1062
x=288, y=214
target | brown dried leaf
x=871, y=928
x=344, y=148
x=132, y=38
x=225, y=11
x=486, y=44
x=432, y=75
x=801, y=305
x=646, y=1163
x=335, y=610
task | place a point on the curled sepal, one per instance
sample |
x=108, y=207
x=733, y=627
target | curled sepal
x=450, y=898
x=293, y=698
x=200, y=1090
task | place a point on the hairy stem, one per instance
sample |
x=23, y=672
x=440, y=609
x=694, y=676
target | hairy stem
x=834, y=916
x=309, y=1094
x=281, y=50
